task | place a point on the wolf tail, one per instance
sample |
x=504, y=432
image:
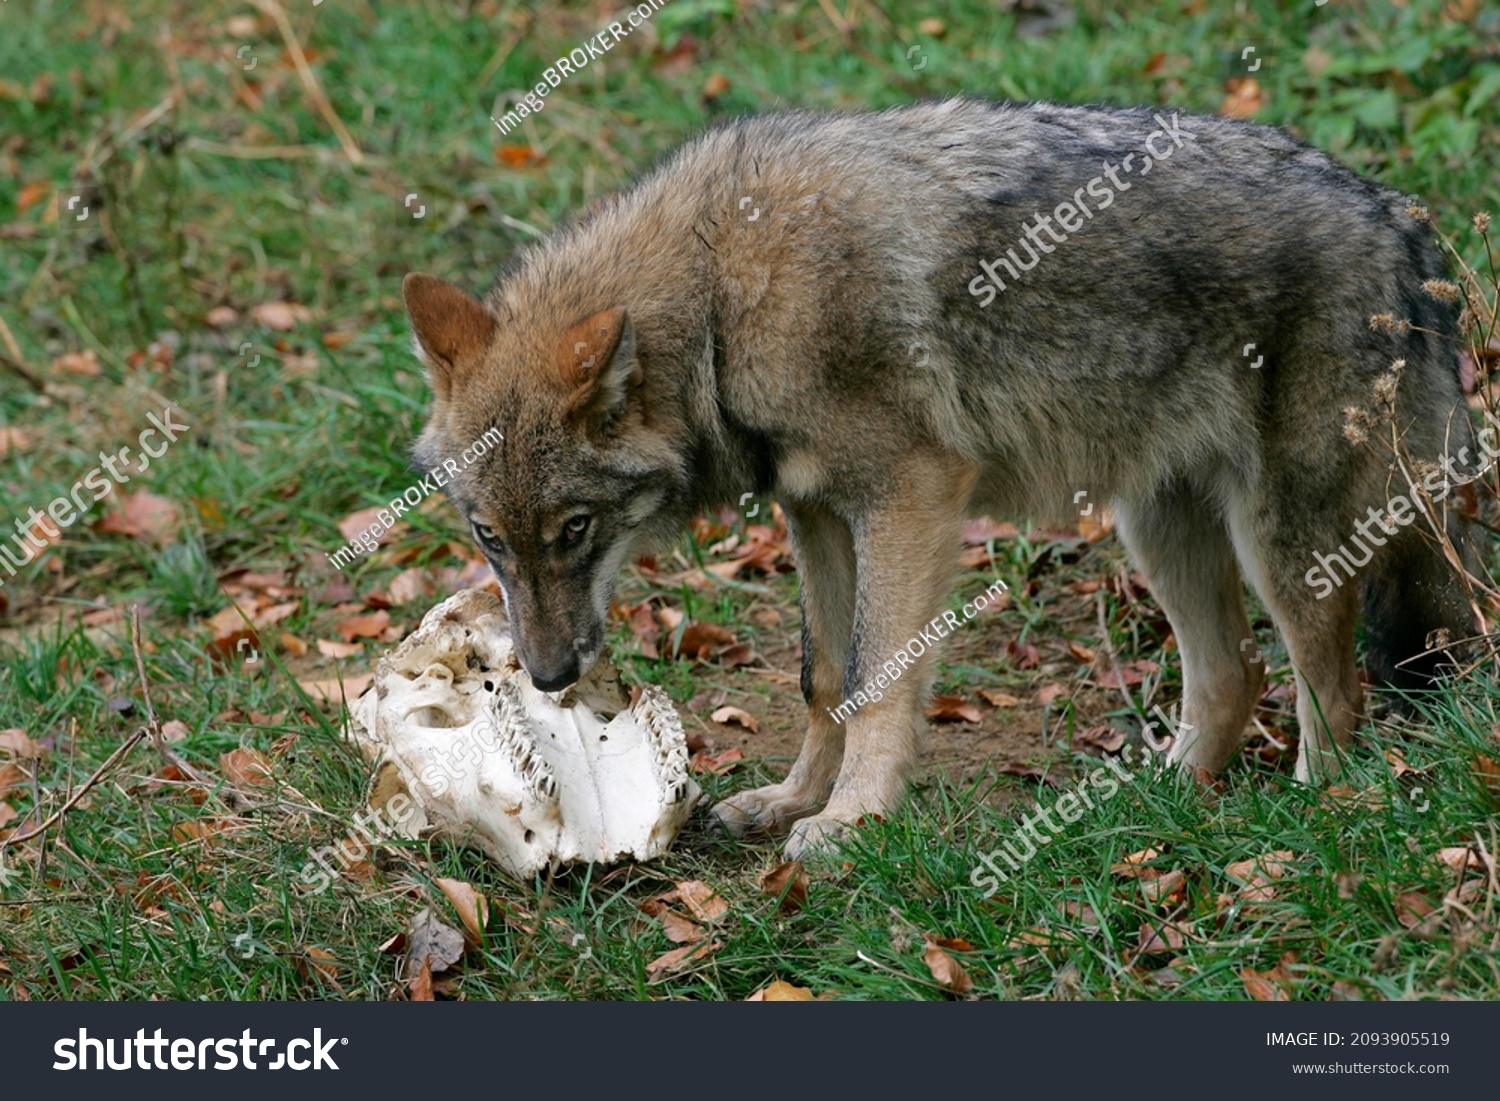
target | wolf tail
x=1409, y=592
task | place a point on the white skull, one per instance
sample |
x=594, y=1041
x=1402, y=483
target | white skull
x=529, y=777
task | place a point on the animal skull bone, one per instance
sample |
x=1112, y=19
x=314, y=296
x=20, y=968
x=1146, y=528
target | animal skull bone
x=529, y=777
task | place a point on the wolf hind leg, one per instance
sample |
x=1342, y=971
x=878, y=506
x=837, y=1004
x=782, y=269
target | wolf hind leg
x=826, y=569
x=1180, y=542
x=1319, y=633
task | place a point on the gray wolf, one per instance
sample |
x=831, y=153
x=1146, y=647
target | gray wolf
x=744, y=318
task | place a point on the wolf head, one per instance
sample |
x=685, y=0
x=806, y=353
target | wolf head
x=584, y=478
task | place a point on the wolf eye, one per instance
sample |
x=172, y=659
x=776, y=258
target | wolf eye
x=573, y=530
x=484, y=534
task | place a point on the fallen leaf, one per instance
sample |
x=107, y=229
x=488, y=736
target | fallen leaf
x=12, y=439
x=700, y=641
x=952, y=709
x=787, y=882
x=1049, y=692
x=519, y=156
x=1162, y=940
x=1245, y=98
x=473, y=908
x=141, y=515
x=1460, y=856
x=174, y=730
x=947, y=972
x=1081, y=654
x=717, y=764
x=702, y=900
x=679, y=929
x=335, y=692
x=31, y=194
x=780, y=991
x=364, y=626
x=715, y=86
x=679, y=958
x=1411, y=907
x=1261, y=989
x=12, y=779
x=419, y=985
x=1131, y=865
x=1166, y=889
x=245, y=766
x=1023, y=655
x=431, y=944
x=331, y=649
x=319, y=962
x=1107, y=738
x=15, y=743
x=280, y=315
x=735, y=715
x=410, y=584
x=1129, y=673
x=995, y=698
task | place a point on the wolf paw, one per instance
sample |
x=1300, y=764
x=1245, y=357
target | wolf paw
x=763, y=810
x=815, y=835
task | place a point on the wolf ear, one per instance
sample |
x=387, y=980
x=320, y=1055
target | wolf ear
x=597, y=362
x=451, y=327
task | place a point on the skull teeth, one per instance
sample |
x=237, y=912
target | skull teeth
x=664, y=727
x=517, y=740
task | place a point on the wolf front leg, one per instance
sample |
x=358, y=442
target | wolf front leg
x=826, y=568
x=906, y=548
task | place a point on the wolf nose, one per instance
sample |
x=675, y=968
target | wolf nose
x=556, y=680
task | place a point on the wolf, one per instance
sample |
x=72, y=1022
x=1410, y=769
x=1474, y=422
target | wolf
x=893, y=321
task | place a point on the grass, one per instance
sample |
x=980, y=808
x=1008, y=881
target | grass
x=214, y=190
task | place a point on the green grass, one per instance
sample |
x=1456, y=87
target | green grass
x=121, y=900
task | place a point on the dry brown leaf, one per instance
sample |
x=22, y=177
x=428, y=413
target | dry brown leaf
x=1049, y=692
x=1245, y=98
x=1081, y=654
x=787, y=882
x=780, y=991
x=174, y=730
x=678, y=958
x=12, y=779
x=702, y=900
x=953, y=709
x=1166, y=889
x=15, y=743
x=142, y=515
x=995, y=698
x=364, y=626
x=1131, y=865
x=1261, y=989
x=430, y=942
x=473, y=908
x=1164, y=939
x=1411, y=907
x=331, y=649
x=12, y=439
x=292, y=644
x=419, y=985
x=717, y=764
x=1023, y=655
x=679, y=929
x=246, y=767
x=335, y=692
x=280, y=315
x=947, y=972
x=319, y=962
x=85, y=363
x=1460, y=856
x=728, y=715
x=410, y=584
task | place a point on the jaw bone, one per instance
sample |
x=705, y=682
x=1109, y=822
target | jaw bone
x=529, y=777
